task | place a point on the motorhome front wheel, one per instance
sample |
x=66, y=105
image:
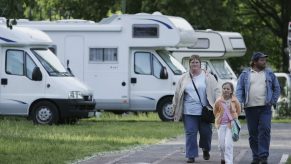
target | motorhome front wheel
x=165, y=109
x=45, y=113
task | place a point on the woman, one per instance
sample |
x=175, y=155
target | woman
x=186, y=104
x=226, y=108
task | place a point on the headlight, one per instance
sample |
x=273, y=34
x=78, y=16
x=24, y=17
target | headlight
x=75, y=95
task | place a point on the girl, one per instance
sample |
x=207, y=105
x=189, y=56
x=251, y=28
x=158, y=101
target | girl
x=226, y=108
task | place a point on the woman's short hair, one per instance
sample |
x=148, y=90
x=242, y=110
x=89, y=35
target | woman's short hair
x=194, y=57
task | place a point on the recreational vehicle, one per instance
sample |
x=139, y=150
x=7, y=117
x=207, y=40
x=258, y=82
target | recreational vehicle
x=284, y=102
x=123, y=58
x=289, y=46
x=214, y=47
x=34, y=83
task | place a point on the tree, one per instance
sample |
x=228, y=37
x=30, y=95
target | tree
x=270, y=17
x=11, y=9
x=68, y=9
x=211, y=14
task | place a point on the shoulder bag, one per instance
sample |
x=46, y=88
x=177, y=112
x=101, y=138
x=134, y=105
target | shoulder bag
x=207, y=111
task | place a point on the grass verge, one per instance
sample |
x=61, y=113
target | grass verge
x=281, y=120
x=22, y=142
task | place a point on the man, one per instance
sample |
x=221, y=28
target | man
x=258, y=90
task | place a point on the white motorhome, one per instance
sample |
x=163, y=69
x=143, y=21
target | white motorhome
x=289, y=46
x=283, y=107
x=284, y=101
x=33, y=81
x=214, y=47
x=123, y=58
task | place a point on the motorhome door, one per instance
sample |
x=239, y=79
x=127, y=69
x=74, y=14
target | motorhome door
x=17, y=87
x=146, y=84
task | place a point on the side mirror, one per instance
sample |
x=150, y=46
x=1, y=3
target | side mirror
x=68, y=68
x=164, y=73
x=70, y=71
x=36, y=74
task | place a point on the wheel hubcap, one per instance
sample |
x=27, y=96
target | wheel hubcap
x=168, y=111
x=44, y=114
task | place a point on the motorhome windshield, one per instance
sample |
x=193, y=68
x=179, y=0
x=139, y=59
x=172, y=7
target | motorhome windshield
x=50, y=62
x=175, y=66
x=223, y=69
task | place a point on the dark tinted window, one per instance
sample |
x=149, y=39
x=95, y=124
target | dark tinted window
x=145, y=31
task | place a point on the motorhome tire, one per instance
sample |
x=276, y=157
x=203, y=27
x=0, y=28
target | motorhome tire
x=45, y=112
x=165, y=109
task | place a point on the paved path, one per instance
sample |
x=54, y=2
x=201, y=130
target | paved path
x=172, y=151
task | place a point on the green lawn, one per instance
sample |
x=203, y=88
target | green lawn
x=281, y=120
x=22, y=142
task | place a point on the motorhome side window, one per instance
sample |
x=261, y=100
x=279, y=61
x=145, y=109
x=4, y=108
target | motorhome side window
x=157, y=66
x=30, y=65
x=202, y=43
x=147, y=64
x=103, y=55
x=145, y=31
x=19, y=63
x=237, y=43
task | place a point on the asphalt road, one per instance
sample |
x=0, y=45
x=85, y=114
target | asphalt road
x=172, y=151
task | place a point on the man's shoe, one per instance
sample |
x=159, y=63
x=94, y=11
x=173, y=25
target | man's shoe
x=264, y=161
x=191, y=160
x=222, y=161
x=206, y=155
x=255, y=161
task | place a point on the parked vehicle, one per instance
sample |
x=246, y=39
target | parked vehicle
x=123, y=58
x=289, y=45
x=284, y=103
x=33, y=81
x=214, y=47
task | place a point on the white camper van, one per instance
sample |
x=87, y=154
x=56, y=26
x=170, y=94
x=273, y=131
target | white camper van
x=283, y=107
x=123, y=58
x=289, y=46
x=214, y=47
x=34, y=83
x=284, y=101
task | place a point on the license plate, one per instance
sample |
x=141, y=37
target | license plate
x=91, y=114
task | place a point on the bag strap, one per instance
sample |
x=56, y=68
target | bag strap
x=196, y=90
